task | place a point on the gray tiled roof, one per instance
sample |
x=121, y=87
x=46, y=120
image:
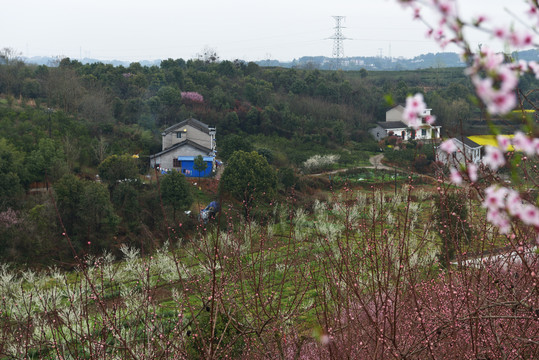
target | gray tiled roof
x=186, y=142
x=192, y=122
x=469, y=143
x=392, y=125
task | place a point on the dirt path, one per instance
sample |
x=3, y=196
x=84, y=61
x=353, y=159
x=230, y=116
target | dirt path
x=219, y=172
x=376, y=162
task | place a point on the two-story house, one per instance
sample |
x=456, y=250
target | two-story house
x=181, y=143
x=395, y=126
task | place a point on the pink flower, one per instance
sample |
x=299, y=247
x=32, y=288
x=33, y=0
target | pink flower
x=430, y=119
x=508, y=78
x=497, y=89
x=410, y=118
x=447, y=7
x=472, y=172
x=415, y=103
x=502, y=103
x=499, y=219
x=513, y=202
x=479, y=20
x=500, y=33
x=535, y=144
x=521, y=66
x=495, y=197
x=523, y=143
x=448, y=146
x=455, y=176
x=493, y=158
x=483, y=87
x=503, y=142
x=534, y=66
x=529, y=215
x=491, y=59
x=520, y=39
x=415, y=106
x=417, y=12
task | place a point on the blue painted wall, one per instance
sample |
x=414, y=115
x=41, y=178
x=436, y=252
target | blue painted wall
x=188, y=163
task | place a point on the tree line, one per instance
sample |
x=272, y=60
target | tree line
x=72, y=119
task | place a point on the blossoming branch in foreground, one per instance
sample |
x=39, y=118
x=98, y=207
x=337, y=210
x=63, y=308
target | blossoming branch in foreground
x=493, y=158
x=448, y=146
x=414, y=110
x=502, y=202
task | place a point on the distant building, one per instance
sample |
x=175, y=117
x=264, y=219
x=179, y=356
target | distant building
x=468, y=151
x=181, y=143
x=395, y=126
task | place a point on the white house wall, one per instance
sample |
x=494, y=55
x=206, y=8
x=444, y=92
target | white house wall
x=463, y=155
x=395, y=114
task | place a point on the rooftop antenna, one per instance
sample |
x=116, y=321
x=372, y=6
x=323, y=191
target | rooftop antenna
x=338, y=37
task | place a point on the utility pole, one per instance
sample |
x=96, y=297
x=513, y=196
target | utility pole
x=338, y=37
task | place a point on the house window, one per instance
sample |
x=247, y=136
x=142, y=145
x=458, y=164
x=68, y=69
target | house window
x=178, y=135
x=176, y=163
x=423, y=132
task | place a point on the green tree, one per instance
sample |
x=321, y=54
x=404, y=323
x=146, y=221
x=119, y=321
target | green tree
x=363, y=73
x=126, y=202
x=267, y=154
x=287, y=177
x=68, y=192
x=232, y=143
x=231, y=122
x=85, y=210
x=200, y=165
x=175, y=191
x=99, y=221
x=11, y=162
x=339, y=132
x=451, y=219
x=170, y=100
x=47, y=161
x=248, y=177
x=257, y=91
x=116, y=168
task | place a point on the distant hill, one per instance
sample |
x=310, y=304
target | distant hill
x=371, y=63
x=424, y=61
x=52, y=61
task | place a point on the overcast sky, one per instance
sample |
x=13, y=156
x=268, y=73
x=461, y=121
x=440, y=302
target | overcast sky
x=250, y=30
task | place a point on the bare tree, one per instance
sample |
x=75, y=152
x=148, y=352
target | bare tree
x=100, y=148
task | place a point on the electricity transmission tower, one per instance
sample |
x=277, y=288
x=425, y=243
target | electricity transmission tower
x=338, y=37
